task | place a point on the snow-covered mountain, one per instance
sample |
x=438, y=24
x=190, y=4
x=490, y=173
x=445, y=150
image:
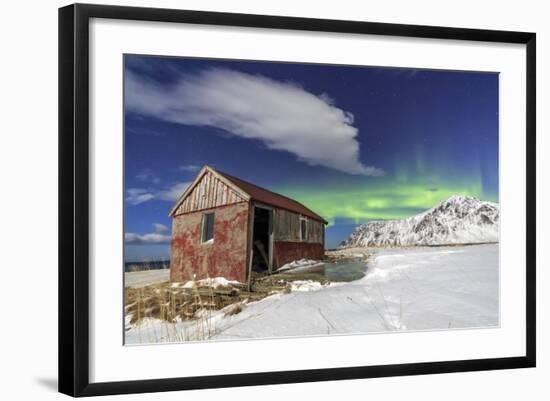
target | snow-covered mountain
x=458, y=220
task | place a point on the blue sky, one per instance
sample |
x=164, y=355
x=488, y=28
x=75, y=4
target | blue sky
x=352, y=143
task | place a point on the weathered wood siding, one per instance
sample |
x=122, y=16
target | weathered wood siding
x=286, y=252
x=210, y=192
x=286, y=227
x=315, y=231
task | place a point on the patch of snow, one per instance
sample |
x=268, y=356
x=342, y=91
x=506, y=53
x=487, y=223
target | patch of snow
x=309, y=285
x=214, y=282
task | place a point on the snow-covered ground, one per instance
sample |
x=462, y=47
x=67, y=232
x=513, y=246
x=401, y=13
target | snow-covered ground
x=403, y=289
x=146, y=277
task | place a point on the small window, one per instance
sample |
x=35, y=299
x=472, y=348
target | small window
x=303, y=229
x=207, y=227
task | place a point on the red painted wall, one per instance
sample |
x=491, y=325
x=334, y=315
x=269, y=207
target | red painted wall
x=225, y=257
x=286, y=252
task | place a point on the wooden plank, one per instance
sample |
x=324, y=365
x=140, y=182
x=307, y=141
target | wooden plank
x=224, y=197
x=193, y=200
x=214, y=192
x=208, y=191
x=211, y=192
x=197, y=197
x=204, y=193
x=196, y=206
x=220, y=198
x=201, y=194
x=220, y=193
x=217, y=193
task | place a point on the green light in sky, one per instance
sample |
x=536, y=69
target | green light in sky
x=382, y=200
x=416, y=180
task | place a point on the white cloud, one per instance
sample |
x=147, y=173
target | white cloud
x=160, y=228
x=189, y=167
x=282, y=115
x=158, y=237
x=150, y=238
x=136, y=196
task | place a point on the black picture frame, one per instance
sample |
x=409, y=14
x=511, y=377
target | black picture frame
x=74, y=202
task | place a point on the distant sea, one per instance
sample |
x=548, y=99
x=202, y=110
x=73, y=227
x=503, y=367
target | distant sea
x=140, y=266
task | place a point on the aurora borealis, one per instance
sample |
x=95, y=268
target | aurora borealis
x=351, y=143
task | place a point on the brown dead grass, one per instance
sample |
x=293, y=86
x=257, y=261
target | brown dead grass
x=171, y=302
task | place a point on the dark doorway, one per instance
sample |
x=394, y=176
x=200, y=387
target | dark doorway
x=261, y=240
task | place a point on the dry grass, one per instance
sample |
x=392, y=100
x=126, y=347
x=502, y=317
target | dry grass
x=172, y=302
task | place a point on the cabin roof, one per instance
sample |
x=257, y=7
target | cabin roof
x=271, y=198
x=257, y=194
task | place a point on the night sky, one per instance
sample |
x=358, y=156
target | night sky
x=351, y=143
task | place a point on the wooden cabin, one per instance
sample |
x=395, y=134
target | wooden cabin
x=223, y=226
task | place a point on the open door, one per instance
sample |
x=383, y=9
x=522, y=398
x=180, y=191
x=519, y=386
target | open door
x=261, y=240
